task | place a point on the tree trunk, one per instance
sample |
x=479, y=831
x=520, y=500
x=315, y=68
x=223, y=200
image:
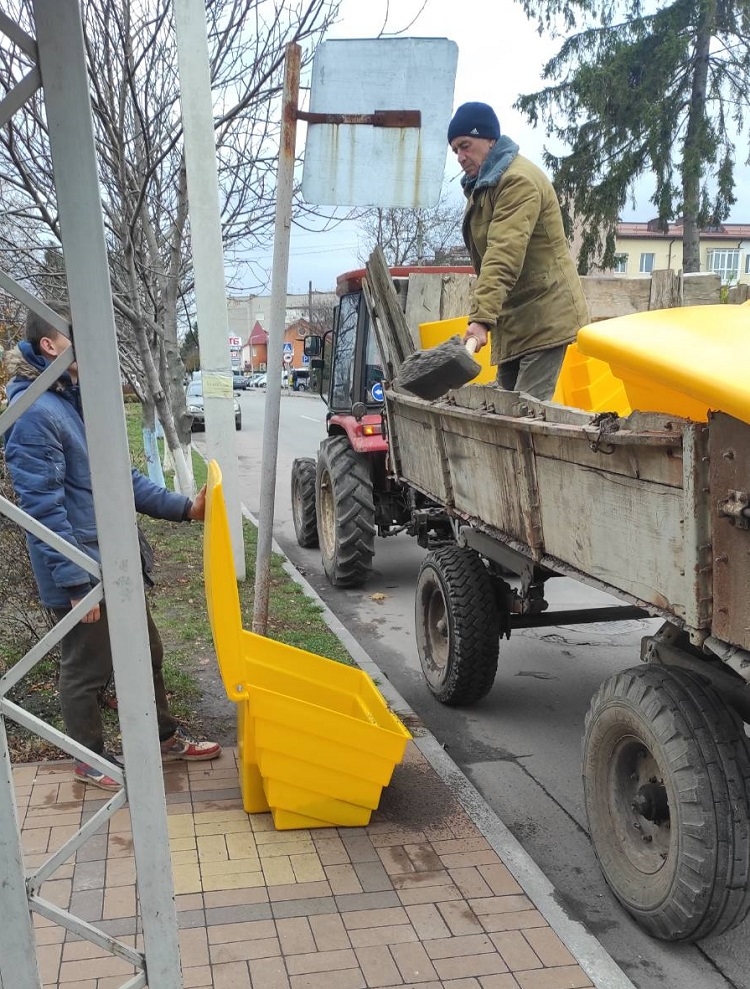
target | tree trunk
x=693, y=155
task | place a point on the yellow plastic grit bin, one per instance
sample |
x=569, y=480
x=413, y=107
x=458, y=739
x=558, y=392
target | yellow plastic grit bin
x=431, y=334
x=589, y=384
x=584, y=382
x=681, y=361
x=317, y=742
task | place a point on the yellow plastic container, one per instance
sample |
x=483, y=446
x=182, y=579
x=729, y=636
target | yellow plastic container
x=589, y=384
x=431, y=334
x=316, y=740
x=681, y=361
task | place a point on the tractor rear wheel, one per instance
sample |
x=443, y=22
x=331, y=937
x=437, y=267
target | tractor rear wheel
x=303, y=502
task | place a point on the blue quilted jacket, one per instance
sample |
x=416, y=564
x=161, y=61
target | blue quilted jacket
x=47, y=458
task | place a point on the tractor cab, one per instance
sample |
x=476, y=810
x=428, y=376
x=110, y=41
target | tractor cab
x=348, y=369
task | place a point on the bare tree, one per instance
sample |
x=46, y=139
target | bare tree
x=412, y=236
x=134, y=87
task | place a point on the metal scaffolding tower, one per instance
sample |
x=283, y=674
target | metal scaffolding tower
x=60, y=73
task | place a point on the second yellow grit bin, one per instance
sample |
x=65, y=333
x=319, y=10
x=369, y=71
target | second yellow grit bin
x=316, y=740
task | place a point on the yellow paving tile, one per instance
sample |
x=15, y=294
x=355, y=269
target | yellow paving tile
x=294, y=846
x=226, y=868
x=224, y=827
x=236, y=880
x=181, y=826
x=241, y=846
x=307, y=868
x=187, y=878
x=283, y=838
x=182, y=844
x=213, y=816
x=188, y=857
x=212, y=848
x=278, y=871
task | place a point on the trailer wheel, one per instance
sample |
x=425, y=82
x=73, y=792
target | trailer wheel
x=303, y=502
x=457, y=625
x=346, y=513
x=666, y=775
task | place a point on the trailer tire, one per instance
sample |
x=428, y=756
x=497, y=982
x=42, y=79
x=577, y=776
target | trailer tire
x=457, y=623
x=303, y=502
x=666, y=776
x=345, y=512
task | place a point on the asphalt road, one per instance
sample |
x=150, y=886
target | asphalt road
x=521, y=745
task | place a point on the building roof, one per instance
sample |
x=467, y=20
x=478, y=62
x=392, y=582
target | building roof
x=651, y=230
x=258, y=335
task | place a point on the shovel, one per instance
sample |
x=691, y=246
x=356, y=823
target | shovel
x=431, y=373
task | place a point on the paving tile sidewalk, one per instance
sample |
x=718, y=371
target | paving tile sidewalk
x=419, y=898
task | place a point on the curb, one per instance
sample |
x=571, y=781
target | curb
x=600, y=967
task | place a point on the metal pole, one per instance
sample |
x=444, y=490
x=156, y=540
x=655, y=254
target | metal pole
x=282, y=231
x=18, y=963
x=208, y=256
x=66, y=89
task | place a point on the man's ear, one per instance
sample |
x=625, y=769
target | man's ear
x=48, y=347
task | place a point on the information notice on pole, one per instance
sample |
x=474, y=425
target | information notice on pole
x=358, y=164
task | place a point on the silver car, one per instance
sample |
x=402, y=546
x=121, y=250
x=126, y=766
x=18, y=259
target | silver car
x=194, y=401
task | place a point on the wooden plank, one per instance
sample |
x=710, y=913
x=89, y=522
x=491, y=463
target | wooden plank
x=620, y=531
x=384, y=307
x=615, y=295
x=739, y=293
x=423, y=302
x=456, y=299
x=729, y=446
x=666, y=289
x=701, y=289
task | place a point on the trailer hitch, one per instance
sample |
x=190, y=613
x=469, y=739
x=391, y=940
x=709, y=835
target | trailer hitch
x=736, y=507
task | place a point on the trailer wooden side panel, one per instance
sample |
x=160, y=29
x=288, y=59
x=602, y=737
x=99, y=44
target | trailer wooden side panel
x=614, y=501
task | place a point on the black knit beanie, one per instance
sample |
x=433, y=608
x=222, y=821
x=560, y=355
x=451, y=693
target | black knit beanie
x=474, y=120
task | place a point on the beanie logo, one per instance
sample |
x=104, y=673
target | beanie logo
x=474, y=131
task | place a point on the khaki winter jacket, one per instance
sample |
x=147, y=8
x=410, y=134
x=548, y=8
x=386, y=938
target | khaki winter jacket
x=527, y=290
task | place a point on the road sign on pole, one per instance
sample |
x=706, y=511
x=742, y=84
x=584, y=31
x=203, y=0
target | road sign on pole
x=288, y=357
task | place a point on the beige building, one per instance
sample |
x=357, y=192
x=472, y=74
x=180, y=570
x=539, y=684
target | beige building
x=724, y=249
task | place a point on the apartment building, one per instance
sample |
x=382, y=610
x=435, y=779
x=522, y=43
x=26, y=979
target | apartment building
x=643, y=247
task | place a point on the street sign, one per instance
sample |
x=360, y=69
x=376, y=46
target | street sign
x=377, y=392
x=305, y=359
x=288, y=348
x=288, y=357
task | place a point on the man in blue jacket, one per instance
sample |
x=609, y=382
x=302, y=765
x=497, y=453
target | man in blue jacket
x=47, y=458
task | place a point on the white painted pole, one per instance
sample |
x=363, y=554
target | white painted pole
x=282, y=232
x=208, y=256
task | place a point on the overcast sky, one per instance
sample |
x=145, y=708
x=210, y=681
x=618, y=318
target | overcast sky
x=500, y=55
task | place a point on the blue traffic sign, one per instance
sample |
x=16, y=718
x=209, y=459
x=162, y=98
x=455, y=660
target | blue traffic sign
x=305, y=359
x=377, y=392
x=288, y=348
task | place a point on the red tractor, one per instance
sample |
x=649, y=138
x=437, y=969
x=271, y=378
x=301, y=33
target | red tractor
x=348, y=497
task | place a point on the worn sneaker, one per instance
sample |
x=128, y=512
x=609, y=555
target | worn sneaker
x=90, y=774
x=182, y=745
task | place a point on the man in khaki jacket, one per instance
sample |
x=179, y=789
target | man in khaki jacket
x=527, y=294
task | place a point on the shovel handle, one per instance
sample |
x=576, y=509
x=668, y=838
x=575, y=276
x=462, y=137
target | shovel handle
x=471, y=345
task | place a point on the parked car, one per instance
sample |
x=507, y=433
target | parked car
x=194, y=400
x=300, y=379
x=260, y=381
x=239, y=381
